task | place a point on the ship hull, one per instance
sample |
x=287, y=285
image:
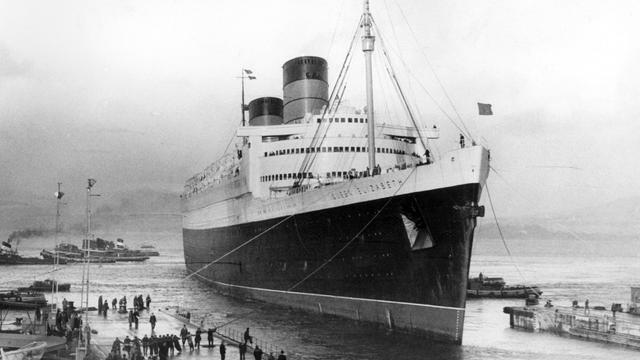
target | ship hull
x=399, y=261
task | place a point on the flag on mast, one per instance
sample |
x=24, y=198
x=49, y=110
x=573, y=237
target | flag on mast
x=247, y=71
x=484, y=109
x=91, y=183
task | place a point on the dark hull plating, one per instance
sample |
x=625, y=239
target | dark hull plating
x=377, y=275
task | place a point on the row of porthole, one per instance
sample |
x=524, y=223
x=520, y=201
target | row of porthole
x=372, y=275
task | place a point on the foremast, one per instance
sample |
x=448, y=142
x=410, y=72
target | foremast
x=368, y=41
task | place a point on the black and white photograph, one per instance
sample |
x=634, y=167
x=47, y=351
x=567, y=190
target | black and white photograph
x=335, y=179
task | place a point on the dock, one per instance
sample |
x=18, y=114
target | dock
x=591, y=325
x=106, y=329
x=170, y=321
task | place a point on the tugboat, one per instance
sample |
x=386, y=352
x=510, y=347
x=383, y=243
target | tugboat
x=72, y=254
x=9, y=256
x=47, y=285
x=496, y=287
x=102, y=251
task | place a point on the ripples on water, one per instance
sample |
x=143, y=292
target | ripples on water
x=560, y=274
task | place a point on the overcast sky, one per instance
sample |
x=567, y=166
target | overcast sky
x=144, y=94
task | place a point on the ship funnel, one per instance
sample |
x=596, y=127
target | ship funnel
x=265, y=111
x=305, y=87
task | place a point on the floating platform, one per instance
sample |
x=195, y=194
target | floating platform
x=592, y=325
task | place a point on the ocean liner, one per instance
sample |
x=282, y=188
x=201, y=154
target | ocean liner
x=322, y=209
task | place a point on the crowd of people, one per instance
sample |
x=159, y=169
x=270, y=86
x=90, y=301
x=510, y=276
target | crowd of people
x=164, y=346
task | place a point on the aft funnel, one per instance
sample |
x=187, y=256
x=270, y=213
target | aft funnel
x=265, y=111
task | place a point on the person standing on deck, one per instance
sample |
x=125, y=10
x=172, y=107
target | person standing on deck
x=247, y=337
x=130, y=318
x=210, y=337
x=198, y=338
x=190, y=341
x=242, y=349
x=257, y=353
x=170, y=342
x=114, y=302
x=223, y=351
x=145, y=345
x=135, y=318
x=183, y=334
x=153, y=320
x=148, y=302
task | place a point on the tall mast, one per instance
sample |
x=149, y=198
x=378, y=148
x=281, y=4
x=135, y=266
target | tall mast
x=243, y=107
x=84, y=299
x=368, y=41
x=56, y=261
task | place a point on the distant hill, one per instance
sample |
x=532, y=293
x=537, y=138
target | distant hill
x=134, y=210
x=619, y=218
x=156, y=210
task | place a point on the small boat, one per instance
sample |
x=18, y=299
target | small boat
x=47, y=285
x=148, y=250
x=21, y=300
x=496, y=287
x=31, y=351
